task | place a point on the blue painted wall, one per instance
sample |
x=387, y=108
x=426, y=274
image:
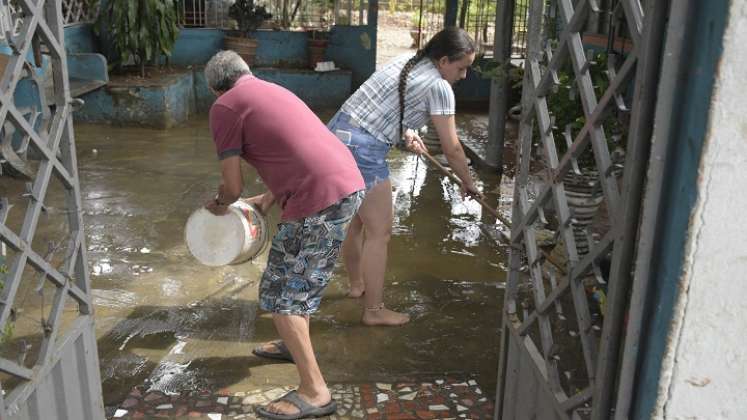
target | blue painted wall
x=88, y=66
x=354, y=48
x=690, y=112
x=80, y=38
x=173, y=100
x=160, y=105
x=195, y=46
x=83, y=60
x=281, y=49
x=26, y=93
x=350, y=47
x=179, y=100
x=204, y=98
x=325, y=90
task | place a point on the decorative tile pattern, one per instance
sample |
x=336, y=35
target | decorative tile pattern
x=447, y=398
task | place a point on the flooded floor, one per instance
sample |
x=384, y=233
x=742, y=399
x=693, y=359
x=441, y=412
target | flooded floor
x=165, y=320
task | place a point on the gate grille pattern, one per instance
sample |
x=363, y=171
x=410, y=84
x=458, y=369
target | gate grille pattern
x=45, y=302
x=78, y=11
x=567, y=226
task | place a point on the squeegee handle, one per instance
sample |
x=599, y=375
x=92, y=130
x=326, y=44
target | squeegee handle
x=479, y=198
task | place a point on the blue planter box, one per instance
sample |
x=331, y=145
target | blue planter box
x=171, y=100
x=161, y=103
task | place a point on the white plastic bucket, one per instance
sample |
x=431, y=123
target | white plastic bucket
x=237, y=236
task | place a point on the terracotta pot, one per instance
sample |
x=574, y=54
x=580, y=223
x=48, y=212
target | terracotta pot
x=317, y=48
x=245, y=47
x=601, y=40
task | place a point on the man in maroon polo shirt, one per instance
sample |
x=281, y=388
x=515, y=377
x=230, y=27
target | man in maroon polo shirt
x=314, y=179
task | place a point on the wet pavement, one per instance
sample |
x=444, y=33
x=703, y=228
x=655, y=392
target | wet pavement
x=165, y=323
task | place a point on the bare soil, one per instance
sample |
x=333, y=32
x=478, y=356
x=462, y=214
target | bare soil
x=393, y=36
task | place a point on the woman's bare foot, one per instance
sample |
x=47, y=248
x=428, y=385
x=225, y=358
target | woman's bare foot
x=383, y=316
x=356, y=290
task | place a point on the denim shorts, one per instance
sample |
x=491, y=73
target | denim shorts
x=302, y=257
x=369, y=152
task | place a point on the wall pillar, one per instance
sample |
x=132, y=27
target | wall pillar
x=705, y=364
x=500, y=89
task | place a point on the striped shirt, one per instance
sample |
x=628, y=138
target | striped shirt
x=375, y=105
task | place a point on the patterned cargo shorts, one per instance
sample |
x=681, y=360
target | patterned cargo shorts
x=302, y=257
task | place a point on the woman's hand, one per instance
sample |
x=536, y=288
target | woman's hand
x=413, y=142
x=470, y=190
x=446, y=128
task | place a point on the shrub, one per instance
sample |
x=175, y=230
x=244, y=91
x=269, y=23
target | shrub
x=142, y=31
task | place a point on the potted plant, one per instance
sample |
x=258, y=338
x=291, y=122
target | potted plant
x=317, y=46
x=248, y=17
x=582, y=184
x=140, y=31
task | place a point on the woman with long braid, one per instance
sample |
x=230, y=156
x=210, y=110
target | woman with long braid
x=382, y=113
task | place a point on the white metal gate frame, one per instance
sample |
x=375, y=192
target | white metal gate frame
x=65, y=380
x=532, y=269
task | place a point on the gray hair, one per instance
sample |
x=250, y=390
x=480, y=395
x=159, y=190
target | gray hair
x=224, y=69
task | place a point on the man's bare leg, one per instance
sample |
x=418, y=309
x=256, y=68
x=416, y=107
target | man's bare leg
x=294, y=330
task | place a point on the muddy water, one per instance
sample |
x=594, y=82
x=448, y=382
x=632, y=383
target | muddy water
x=165, y=320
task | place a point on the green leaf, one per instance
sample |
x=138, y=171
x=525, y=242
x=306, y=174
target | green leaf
x=132, y=11
x=139, y=29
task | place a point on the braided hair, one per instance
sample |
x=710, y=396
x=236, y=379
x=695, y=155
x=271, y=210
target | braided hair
x=451, y=42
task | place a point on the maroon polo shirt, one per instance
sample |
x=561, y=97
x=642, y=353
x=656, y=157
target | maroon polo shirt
x=302, y=163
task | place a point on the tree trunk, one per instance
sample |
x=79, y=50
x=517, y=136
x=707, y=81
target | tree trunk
x=295, y=10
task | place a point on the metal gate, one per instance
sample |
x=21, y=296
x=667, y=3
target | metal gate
x=584, y=144
x=48, y=358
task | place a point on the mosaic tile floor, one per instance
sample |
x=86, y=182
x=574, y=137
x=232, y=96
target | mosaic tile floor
x=440, y=399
